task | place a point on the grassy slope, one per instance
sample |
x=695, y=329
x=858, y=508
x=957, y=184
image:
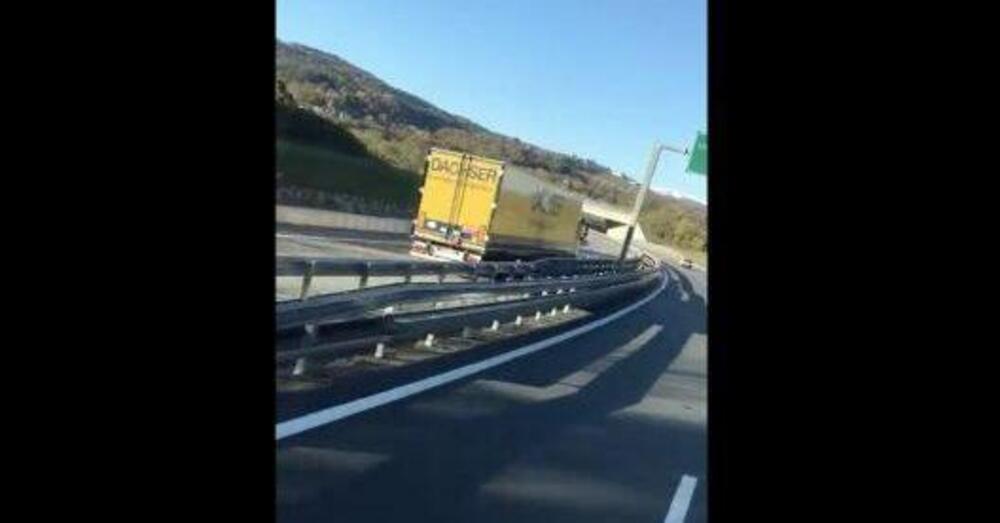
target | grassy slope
x=322, y=168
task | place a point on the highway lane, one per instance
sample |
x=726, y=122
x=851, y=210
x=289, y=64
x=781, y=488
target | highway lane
x=301, y=241
x=360, y=245
x=314, y=241
x=602, y=427
x=696, y=278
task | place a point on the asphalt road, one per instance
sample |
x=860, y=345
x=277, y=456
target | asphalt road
x=360, y=245
x=601, y=427
x=302, y=241
x=306, y=241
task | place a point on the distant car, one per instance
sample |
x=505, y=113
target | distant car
x=687, y=263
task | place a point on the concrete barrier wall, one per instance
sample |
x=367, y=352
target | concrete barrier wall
x=339, y=220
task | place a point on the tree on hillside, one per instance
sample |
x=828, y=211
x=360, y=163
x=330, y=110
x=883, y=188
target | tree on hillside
x=563, y=165
x=307, y=93
x=281, y=94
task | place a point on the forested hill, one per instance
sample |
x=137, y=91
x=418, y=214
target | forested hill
x=398, y=128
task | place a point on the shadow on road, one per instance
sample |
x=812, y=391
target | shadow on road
x=434, y=467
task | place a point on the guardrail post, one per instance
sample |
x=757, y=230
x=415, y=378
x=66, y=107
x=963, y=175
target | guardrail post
x=566, y=309
x=366, y=268
x=495, y=325
x=538, y=315
x=386, y=321
x=517, y=320
x=441, y=273
x=310, y=338
x=307, y=277
x=300, y=367
x=302, y=364
x=429, y=340
x=553, y=311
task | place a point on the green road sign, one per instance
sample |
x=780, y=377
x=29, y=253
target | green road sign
x=698, y=164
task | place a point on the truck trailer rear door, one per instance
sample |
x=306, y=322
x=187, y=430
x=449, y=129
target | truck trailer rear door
x=457, y=200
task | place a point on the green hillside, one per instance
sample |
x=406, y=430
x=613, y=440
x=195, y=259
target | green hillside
x=324, y=102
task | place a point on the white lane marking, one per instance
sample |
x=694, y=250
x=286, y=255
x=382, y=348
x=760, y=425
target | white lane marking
x=682, y=499
x=331, y=414
x=583, y=377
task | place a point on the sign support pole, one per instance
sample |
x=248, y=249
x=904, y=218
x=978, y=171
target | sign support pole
x=654, y=158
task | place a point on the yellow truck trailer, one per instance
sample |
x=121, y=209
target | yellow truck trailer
x=474, y=208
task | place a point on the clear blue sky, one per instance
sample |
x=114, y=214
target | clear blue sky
x=600, y=79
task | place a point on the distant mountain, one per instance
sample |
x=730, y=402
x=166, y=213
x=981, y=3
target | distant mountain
x=326, y=81
x=399, y=128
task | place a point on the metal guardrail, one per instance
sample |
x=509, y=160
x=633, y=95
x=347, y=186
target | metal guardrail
x=308, y=268
x=371, y=336
x=364, y=302
x=368, y=318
